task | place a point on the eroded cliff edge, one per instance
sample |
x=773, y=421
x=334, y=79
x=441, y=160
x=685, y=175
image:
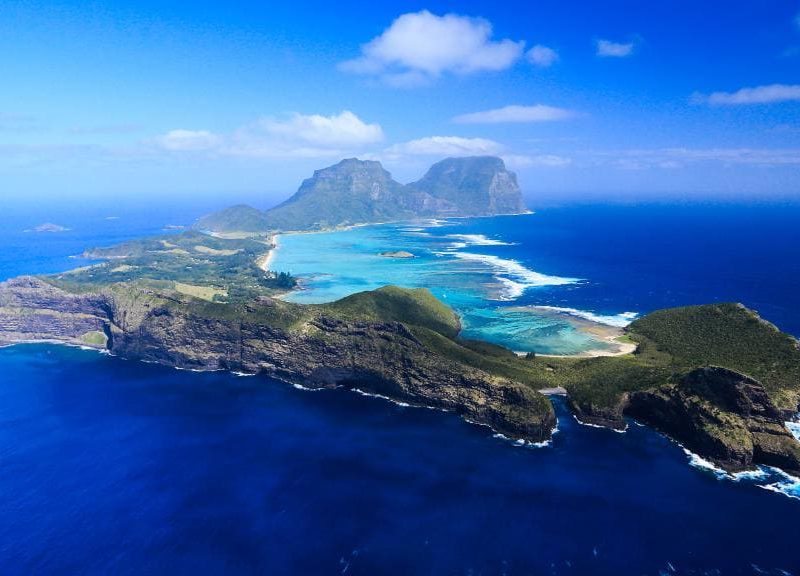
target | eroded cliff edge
x=716, y=378
x=358, y=342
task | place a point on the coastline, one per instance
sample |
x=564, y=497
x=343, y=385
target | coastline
x=608, y=334
x=264, y=261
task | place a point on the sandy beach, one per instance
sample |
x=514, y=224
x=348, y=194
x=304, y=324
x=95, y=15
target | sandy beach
x=613, y=336
x=265, y=260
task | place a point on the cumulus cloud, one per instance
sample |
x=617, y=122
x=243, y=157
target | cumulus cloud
x=542, y=56
x=445, y=146
x=299, y=135
x=337, y=130
x=757, y=95
x=609, y=49
x=418, y=47
x=516, y=114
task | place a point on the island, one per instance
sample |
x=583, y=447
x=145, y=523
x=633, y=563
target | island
x=397, y=254
x=355, y=192
x=49, y=228
x=716, y=378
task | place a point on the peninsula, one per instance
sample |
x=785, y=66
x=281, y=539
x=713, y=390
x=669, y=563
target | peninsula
x=716, y=378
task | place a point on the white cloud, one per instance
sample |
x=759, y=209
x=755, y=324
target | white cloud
x=299, y=136
x=421, y=46
x=188, y=140
x=445, y=146
x=516, y=114
x=758, y=95
x=609, y=49
x=542, y=56
x=343, y=129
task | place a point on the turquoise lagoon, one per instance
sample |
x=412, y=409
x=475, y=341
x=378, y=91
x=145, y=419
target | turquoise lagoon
x=483, y=277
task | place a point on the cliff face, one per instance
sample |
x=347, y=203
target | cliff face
x=724, y=416
x=379, y=357
x=350, y=192
x=361, y=192
x=34, y=310
x=476, y=186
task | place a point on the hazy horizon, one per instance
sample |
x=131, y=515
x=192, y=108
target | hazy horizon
x=626, y=103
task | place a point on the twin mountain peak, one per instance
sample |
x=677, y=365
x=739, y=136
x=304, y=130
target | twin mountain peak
x=362, y=192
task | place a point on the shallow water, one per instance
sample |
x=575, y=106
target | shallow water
x=332, y=265
x=607, y=264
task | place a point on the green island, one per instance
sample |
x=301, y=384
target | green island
x=716, y=378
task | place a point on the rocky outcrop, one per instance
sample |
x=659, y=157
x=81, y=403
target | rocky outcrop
x=31, y=309
x=321, y=351
x=595, y=415
x=361, y=192
x=722, y=415
x=476, y=186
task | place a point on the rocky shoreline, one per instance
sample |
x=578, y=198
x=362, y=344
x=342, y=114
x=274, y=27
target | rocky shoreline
x=378, y=357
x=403, y=345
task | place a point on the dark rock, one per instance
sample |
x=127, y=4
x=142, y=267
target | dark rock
x=722, y=415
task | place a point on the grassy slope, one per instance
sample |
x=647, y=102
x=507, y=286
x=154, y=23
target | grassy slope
x=726, y=335
x=206, y=264
x=392, y=304
x=241, y=218
x=670, y=341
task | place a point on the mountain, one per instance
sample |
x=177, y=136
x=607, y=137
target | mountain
x=478, y=186
x=239, y=218
x=363, y=192
x=350, y=192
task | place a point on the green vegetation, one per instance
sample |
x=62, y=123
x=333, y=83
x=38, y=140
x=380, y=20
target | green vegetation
x=726, y=335
x=96, y=339
x=472, y=185
x=671, y=343
x=240, y=218
x=221, y=279
x=190, y=263
x=392, y=304
x=360, y=192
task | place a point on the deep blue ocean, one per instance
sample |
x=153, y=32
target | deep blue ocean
x=116, y=467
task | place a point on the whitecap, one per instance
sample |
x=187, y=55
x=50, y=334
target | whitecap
x=697, y=461
x=788, y=485
x=751, y=475
x=578, y=420
x=520, y=442
x=476, y=240
x=794, y=428
x=513, y=276
x=618, y=320
x=305, y=388
x=381, y=396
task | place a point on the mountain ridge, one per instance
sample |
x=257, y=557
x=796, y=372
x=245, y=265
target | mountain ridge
x=355, y=191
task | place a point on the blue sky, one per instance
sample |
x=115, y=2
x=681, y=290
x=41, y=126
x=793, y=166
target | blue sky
x=585, y=101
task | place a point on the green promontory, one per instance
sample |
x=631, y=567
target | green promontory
x=717, y=378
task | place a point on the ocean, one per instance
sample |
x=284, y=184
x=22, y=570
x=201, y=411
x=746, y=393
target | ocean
x=118, y=467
